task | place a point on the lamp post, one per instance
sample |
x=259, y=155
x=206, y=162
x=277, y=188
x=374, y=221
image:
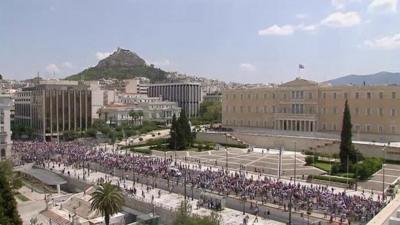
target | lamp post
x=383, y=172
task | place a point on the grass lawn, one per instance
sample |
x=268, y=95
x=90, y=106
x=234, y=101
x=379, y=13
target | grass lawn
x=323, y=166
x=22, y=197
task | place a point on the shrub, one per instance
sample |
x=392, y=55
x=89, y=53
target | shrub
x=367, y=167
x=309, y=160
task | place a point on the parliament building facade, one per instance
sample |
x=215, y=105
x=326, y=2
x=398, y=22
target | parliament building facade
x=307, y=106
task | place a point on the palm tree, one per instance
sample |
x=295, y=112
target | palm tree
x=108, y=200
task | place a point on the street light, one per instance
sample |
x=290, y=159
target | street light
x=383, y=171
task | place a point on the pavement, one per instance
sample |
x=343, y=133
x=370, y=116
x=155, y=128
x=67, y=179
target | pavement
x=31, y=208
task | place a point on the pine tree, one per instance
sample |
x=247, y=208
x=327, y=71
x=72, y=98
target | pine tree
x=348, y=154
x=184, y=131
x=8, y=206
x=173, y=133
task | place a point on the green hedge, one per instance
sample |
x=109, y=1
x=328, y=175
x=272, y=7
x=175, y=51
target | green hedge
x=141, y=150
x=333, y=179
x=235, y=145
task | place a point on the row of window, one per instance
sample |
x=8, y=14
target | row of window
x=300, y=109
x=301, y=95
x=367, y=111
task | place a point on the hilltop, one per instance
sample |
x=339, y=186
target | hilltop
x=121, y=64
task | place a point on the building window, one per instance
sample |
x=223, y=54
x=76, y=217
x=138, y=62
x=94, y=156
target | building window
x=324, y=95
x=256, y=109
x=334, y=95
x=265, y=109
x=293, y=95
x=393, y=112
x=380, y=111
x=265, y=96
x=273, y=109
x=273, y=95
x=381, y=95
x=369, y=95
x=357, y=111
x=241, y=96
x=334, y=110
x=310, y=95
x=357, y=95
x=380, y=129
x=234, y=108
x=256, y=96
x=368, y=111
x=393, y=129
x=241, y=109
x=248, y=109
x=393, y=95
x=248, y=96
x=368, y=127
x=234, y=96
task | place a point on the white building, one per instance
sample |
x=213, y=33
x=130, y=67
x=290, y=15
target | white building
x=5, y=126
x=152, y=108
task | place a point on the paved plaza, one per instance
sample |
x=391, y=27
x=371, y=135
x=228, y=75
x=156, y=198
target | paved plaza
x=260, y=160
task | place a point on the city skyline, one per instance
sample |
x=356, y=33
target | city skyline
x=241, y=41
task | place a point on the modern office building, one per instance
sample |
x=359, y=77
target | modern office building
x=5, y=129
x=307, y=106
x=52, y=107
x=187, y=95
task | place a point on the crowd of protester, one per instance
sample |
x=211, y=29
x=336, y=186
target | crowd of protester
x=263, y=189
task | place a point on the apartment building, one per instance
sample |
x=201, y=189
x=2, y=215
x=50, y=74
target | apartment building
x=307, y=106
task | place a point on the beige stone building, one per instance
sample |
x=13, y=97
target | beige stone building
x=306, y=106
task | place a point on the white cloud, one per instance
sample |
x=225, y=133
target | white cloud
x=277, y=30
x=248, y=67
x=67, y=65
x=52, y=68
x=386, y=43
x=342, y=19
x=383, y=6
x=102, y=55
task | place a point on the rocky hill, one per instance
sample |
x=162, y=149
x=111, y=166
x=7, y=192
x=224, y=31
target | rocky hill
x=121, y=64
x=370, y=79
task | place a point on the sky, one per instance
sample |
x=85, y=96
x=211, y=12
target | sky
x=248, y=41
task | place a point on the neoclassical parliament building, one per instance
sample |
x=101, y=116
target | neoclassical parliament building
x=307, y=106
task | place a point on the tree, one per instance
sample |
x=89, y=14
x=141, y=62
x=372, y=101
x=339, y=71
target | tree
x=132, y=114
x=14, y=179
x=183, y=217
x=8, y=206
x=172, y=132
x=348, y=154
x=184, y=132
x=108, y=200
